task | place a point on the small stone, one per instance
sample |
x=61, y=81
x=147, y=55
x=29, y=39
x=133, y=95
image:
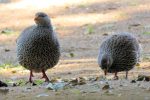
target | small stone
x=7, y=50
x=56, y=86
x=105, y=34
x=14, y=71
x=69, y=73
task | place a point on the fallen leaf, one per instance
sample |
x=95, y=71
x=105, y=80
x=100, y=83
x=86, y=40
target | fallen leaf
x=143, y=78
x=78, y=81
x=105, y=87
x=14, y=71
x=76, y=91
x=135, y=25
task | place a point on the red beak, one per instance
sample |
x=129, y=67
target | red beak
x=36, y=18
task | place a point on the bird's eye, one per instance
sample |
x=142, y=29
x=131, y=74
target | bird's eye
x=41, y=15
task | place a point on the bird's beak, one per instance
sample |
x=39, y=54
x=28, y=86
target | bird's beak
x=36, y=18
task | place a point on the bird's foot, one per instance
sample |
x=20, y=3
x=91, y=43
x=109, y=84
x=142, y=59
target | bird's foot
x=45, y=76
x=31, y=83
x=116, y=77
x=126, y=75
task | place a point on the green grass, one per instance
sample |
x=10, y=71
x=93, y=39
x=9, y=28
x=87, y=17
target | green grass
x=39, y=82
x=8, y=31
x=123, y=15
x=84, y=4
x=146, y=33
x=89, y=29
x=71, y=54
x=133, y=3
x=7, y=65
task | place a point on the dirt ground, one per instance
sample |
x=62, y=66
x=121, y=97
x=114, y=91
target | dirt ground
x=81, y=25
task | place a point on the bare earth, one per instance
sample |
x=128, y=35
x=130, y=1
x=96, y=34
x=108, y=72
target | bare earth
x=81, y=25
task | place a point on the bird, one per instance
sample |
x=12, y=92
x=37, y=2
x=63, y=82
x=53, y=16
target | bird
x=118, y=52
x=38, y=48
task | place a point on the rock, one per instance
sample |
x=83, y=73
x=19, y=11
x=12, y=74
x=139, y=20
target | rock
x=105, y=34
x=56, y=86
x=7, y=50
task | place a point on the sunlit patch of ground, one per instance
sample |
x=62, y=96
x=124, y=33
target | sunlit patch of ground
x=69, y=69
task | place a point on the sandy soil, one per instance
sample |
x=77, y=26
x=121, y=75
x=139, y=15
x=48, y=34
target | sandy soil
x=81, y=25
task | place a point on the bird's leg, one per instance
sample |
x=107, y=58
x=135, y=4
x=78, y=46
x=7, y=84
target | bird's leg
x=45, y=76
x=126, y=74
x=31, y=73
x=116, y=77
x=30, y=78
x=105, y=72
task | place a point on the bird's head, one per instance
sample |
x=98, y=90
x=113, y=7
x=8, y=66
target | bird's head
x=42, y=19
x=106, y=62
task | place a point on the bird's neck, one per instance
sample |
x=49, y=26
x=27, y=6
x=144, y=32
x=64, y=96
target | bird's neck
x=107, y=59
x=45, y=26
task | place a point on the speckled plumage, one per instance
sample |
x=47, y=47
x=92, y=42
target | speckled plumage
x=118, y=52
x=37, y=46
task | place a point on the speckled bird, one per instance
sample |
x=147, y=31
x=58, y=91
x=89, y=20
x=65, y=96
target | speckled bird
x=118, y=52
x=38, y=48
